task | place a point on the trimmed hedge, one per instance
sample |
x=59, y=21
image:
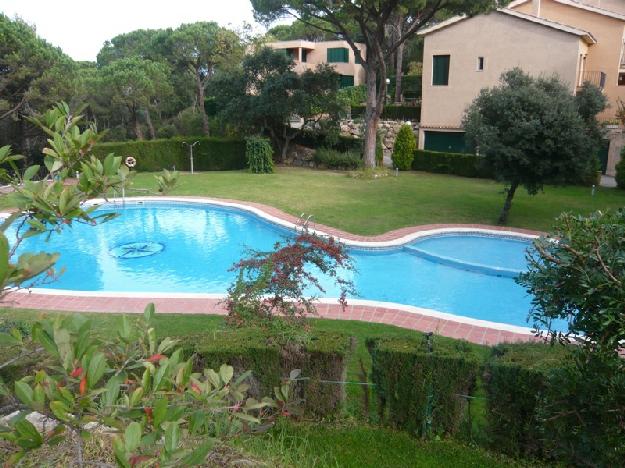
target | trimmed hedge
x=391, y=112
x=460, y=164
x=516, y=378
x=341, y=143
x=332, y=159
x=324, y=358
x=416, y=388
x=210, y=154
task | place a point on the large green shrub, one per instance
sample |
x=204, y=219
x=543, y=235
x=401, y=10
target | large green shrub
x=404, y=149
x=421, y=391
x=333, y=159
x=461, y=164
x=620, y=171
x=259, y=154
x=211, y=154
x=342, y=143
x=392, y=112
x=515, y=377
x=353, y=95
x=323, y=358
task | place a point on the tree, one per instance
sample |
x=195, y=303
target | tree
x=135, y=85
x=529, y=131
x=269, y=93
x=577, y=275
x=201, y=48
x=372, y=18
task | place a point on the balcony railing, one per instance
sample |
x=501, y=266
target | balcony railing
x=597, y=78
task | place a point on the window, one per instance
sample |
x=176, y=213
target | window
x=440, y=70
x=304, y=55
x=346, y=80
x=621, y=79
x=338, y=55
x=480, y=64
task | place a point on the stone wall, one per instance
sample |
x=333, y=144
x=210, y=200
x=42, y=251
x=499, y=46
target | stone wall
x=387, y=129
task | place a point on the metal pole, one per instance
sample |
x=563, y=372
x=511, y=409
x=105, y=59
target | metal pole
x=191, y=152
x=192, y=157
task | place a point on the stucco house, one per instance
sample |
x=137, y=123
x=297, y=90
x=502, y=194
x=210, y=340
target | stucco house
x=577, y=41
x=307, y=55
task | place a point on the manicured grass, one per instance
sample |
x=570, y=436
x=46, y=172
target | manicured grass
x=357, y=445
x=376, y=206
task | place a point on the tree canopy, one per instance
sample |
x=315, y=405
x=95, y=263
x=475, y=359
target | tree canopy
x=269, y=93
x=530, y=132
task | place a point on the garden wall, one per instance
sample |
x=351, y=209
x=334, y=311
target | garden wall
x=387, y=131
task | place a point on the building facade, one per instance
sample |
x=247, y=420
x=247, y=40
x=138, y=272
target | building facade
x=578, y=41
x=307, y=55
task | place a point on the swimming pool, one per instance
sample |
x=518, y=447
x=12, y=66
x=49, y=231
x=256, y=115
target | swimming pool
x=183, y=247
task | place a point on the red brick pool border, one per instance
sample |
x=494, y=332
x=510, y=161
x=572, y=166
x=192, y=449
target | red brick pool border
x=448, y=326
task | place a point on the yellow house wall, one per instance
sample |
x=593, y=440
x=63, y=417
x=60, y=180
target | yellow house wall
x=504, y=42
x=604, y=55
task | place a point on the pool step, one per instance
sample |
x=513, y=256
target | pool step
x=462, y=265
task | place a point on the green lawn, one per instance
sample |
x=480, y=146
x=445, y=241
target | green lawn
x=376, y=206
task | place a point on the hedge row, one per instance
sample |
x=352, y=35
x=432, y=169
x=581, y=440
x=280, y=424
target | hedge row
x=210, y=154
x=461, y=164
x=391, y=112
x=341, y=143
x=324, y=358
x=420, y=391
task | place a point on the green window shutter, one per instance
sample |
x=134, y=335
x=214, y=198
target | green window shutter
x=338, y=55
x=346, y=81
x=440, y=70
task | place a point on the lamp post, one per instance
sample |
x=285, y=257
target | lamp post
x=388, y=82
x=191, y=145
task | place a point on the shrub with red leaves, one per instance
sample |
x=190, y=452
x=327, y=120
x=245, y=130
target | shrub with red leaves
x=286, y=282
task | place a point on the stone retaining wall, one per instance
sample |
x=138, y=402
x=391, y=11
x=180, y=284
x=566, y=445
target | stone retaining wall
x=387, y=129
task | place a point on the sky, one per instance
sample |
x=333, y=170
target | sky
x=80, y=27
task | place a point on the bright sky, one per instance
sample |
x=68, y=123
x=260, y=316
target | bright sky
x=80, y=27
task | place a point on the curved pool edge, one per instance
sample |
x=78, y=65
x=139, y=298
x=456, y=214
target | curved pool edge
x=405, y=316
x=394, y=238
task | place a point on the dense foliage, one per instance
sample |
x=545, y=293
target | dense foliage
x=391, y=112
x=333, y=159
x=404, y=149
x=210, y=154
x=270, y=94
x=577, y=274
x=530, y=131
x=419, y=384
x=461, y=164
x=259, y=155
x=133, y=385
x=620, y=171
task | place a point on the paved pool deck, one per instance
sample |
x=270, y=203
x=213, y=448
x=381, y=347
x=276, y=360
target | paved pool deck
x=413, y=318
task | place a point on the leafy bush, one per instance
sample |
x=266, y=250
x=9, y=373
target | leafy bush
x=582, y=412
x=270, y=360
x=333, y=159
x=353, y=95
x=166, y=131
x=211, y=154
x=259, y=155
x=461, y=164
x=419, y=388
x=515, y=377
x=390, y=112
x=160, y=411
x=342, y=143
x=404, y=148
x=620, y=171
x=166, y=181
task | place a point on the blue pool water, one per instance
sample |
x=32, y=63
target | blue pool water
x=177, y=247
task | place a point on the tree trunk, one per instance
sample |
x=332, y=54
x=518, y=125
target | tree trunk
x=372, y=117
x=200, y=103
x=137, y=124
x=503, y=217
x=148, y=120
x=398, y=73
